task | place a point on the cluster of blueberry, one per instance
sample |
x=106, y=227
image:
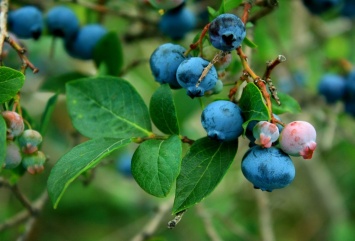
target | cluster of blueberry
x=335, y=87
x=267, y=164
x=28, y=22
x=22, y=145
x=344, y=8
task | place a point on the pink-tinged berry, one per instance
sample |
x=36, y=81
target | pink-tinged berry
x=298, y=138
x=34, y=163
x=265, y=133
x=13, y=155
x=29, y=141
x=14, y=123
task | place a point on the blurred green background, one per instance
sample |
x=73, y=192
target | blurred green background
x=105, y=205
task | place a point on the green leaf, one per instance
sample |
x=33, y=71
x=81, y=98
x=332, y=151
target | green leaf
x=212, y=13
x=162, y=110
x=107, y=106
x=2, y=141
x=11, y=81
x=202, y=169
x=249, y=43
x=109, y=52
x=253, y=105
x=231, y=4
x=288, y=104
x=57, y=83
x=156, y=165
x=47, y=114
x=78, y=160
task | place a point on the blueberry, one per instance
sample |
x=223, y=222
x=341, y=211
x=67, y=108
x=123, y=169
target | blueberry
x=349, y=93
x=176, y=23
x=189, y=72
x=61, y=21
x=298, y=138
x=13, y=155
x=222, y=120
x=82, y=46
x=29, y=141
x=265, y=133
x=348, y=9
x=14, y=124
x=34, y=163
x=227, y=32
x=321, y=6
x=26, y=22
x=123, y=164
x=268, y=168
x=332, y=87
x=164, y=62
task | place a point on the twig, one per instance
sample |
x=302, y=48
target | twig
x=269, y=67
x=26, y=63
x=4, y=8
x=207, y=221
x=265, y=220
x=25, y=214
x=153, y=223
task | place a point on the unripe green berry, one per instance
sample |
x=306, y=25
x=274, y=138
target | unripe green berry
x=29, y=141
x=34, y=162
x=13, y=155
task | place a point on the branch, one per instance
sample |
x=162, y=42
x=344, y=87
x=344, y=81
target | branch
x=207, y=221
x=4, y=8
x=265, y=219
x=25, y=214
x=153, y=223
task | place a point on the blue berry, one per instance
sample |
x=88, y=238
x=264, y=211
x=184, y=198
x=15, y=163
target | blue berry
x=222, y=120
x=189, y=72
x=164, y=62
x=176, y=23
x=348, y=9
x=82, y=46
x=227, y=32
x=321, y=6
x=332, y=87
x=123, y=164
x=62, y=22
x=26, y=22
x=268, y=168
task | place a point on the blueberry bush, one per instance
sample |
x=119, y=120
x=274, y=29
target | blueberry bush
x=177, y=120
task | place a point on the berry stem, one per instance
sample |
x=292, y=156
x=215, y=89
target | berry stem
x=205, y=71
x=257, y=80
x=245, y=16
x=198, y=42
